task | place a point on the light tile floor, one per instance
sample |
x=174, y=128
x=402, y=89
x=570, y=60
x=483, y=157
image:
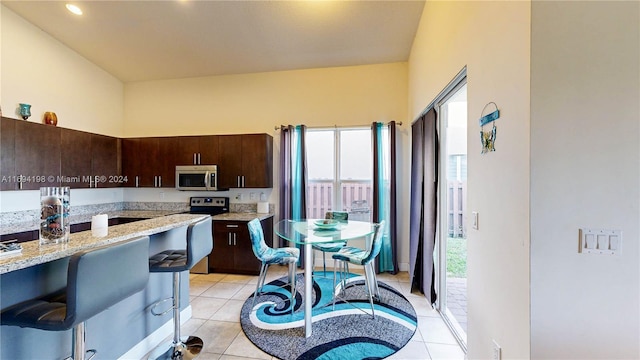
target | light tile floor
x=216, y=300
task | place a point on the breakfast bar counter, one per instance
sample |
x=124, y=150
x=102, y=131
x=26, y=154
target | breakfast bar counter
x=19, y=225
x=125, y=330
x=34, y=254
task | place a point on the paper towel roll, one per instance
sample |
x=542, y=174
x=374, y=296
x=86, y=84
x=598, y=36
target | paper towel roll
x=263, y=207
x=99, y=225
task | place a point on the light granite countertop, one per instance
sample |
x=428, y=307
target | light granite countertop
x=34, y=222
x=34, y=254
x=240, y=216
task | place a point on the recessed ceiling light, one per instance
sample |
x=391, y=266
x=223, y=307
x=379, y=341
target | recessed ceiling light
x=74, y=9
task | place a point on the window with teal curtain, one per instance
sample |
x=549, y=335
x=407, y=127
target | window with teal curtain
x=383, y=194
x=293, y=176
x=298, y=183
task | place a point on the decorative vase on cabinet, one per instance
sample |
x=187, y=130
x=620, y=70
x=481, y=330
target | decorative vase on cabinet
x=50, y=118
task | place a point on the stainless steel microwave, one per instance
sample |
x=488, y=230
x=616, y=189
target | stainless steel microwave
x=197, y=177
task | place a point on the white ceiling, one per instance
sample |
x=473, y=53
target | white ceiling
x=151, y=40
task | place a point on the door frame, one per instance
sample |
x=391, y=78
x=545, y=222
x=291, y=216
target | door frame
x=440, y=251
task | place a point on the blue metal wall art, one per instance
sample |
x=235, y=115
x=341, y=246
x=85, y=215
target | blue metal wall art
x=488, y=138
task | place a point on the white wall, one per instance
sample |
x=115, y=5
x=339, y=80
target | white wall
x=256, y=103
x=492, y=39
x=41, y=71
x=585, y=158
x=259, y=102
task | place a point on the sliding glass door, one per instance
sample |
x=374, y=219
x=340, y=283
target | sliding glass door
x=451, y=248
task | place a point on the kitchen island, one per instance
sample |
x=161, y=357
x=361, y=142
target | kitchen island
x=126, y=330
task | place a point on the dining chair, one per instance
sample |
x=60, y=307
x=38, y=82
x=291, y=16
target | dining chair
x=269, y=256
x=350, y=254
x=341, y=216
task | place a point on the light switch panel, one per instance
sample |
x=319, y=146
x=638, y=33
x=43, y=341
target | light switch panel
x=600, y=241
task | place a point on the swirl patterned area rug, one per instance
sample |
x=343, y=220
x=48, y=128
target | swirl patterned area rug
x=343, y=333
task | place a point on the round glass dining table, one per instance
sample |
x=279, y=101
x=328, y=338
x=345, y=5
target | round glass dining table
x=314, y=231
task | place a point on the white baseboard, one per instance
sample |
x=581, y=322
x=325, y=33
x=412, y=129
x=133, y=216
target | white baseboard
x=140, y=350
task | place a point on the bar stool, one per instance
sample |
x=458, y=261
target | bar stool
x=96, y=279
x=199, y=245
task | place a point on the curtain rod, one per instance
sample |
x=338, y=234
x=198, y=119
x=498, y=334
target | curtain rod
x=335, y=126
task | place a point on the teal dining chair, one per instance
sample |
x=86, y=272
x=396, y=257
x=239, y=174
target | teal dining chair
x=350, y=254
x=341, y=216
x=269, y=256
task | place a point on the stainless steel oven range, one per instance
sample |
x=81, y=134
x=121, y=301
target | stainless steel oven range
x=211, y=206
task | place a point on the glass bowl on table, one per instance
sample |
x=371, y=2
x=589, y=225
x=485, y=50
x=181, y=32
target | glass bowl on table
x=326, y=224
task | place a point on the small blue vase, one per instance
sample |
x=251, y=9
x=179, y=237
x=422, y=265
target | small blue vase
x=25, y=111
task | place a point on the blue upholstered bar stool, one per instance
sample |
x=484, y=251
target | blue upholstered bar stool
x=199, y=245
x=96, y=279
x=269, y=256
x=349, y=254
x=341, y=216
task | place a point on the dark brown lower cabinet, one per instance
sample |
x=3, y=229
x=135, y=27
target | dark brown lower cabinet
x=232, y=251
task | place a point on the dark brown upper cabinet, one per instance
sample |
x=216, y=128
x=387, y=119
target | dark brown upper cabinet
x=37, y=155
x=197, y=150
x=88, y=160
x=8, y=180
x=149, y=162
x=246, y=161
x=105, y=160
x=75, y=167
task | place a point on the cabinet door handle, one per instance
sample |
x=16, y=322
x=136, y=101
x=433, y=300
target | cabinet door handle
x=232, y=226
x=159, y=180
x=137, y=181
x=234, y=239
x=195, y=161
x=238, y=180
x=199, y=159
x=229, y=239
x=242, y=180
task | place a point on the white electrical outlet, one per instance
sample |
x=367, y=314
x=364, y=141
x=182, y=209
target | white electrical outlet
x=253, y=196
x=497, y=351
